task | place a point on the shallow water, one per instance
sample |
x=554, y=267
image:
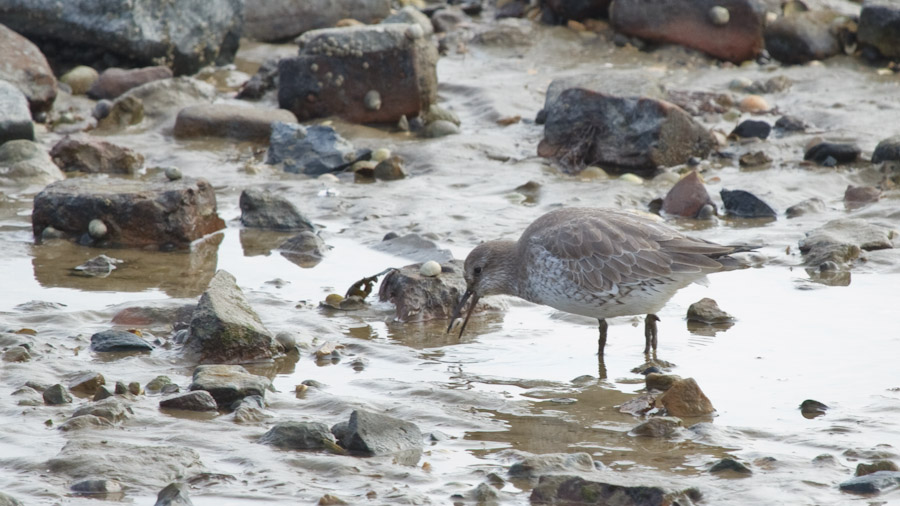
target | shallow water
x=505, y=387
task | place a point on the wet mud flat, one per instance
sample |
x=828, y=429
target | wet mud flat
x=522, y=395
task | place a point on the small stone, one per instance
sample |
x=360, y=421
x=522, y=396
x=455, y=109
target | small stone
x=157, y=384
x=729, y=464
x=871, y=483
x=880, y=465
x=99, y=266
x=57, y=394
x=839, y=153
x=754, y=104
x=744, y=204
x=134, y=388
x=430, y=269
x=858, y=196
x=329, y=499
x=334, y=300
x=790, y=124
x=299, y=436
x=102, y=393
x=707, y=311
x=381, y=154
x=414, y=32
x=16, y=354
x=99, y=487
x=97, y=229
x=658, y=426
x=811, y=408
x=659, y=381
x=121, y=388
x=684, y=398
x=198, y=400
x=752, y=128
x=87, y=383
x=175, y=494
x=102, y=109
x=754, y=159
x=173, y=173
x=390, y=169
x=628, y=177
x=440, y=128
x=372, y=100
x=719, y=15
x=80, y=79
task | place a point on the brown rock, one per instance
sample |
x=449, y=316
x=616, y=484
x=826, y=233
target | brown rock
x=87, y=383
x=661, y=382
x=707, y=311
x=277, y=20
x=231, y=121
x=390, y=169
x=689, y=23
x=658, y=426
x=687, y=198
x=25, y=66
x=115, y=81
x=684, y=398
x=858, y=196
x=579, y=9
x=93, y=155
x=136, y=214
x=364, y=74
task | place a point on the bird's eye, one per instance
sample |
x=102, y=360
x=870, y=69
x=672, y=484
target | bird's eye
x=477, y=270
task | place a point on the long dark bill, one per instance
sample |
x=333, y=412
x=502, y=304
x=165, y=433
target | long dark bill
x=459, y=309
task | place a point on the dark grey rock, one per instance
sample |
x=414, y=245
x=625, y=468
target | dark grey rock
x=15, y=118
x=377, y=434
x=578, y=9
x=228, y=383
x=199, y=400
x=812, y=408
x=102, y=393
x=96, y=487
x=532, y=467
x=887, y=150
x=118, y=341
x=264, y=209
x=299, y=436
x=175, y=494
x=182, y=33
x=878, y=27
x=225, y=329
x=752, y=128
x=312, y=150
x=872, y=483
x=305, y=249
x=729, y=464
x=57, y=394
x=263, y=81
x=803, y=37
x=744, y=204
x=571, y=490
x=789, y=123
x=634, y=134
x=414, y=247
x=250, y=409
x=280, y=20
x=840, y=153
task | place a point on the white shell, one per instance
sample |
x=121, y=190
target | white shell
x=430, y=269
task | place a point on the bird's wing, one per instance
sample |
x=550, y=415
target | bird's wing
x=604, y=249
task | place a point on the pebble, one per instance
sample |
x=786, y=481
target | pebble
x=754, y=104
x=631, y=178
x=441, y=128
x=57, y=394
x=381, y=154
x=390, y=169
x=811, y=408
x=430, y=269
x=97, y=229
x=372, y=100
x=744, y=204
x=752, y=128
x=729, y=464
x=719, y=15
x=173, y=173
x=593, y=173
x=80, y=79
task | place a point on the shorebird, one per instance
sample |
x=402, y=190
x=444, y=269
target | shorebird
x=594, y=262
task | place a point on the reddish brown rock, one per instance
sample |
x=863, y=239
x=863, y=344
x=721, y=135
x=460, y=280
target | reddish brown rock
x=690, y=23
x=364, y=74
x=278, y=20
x=93, y=155
x=161, y=214
x=578, y=9
x=684, y=398
x=230, y=121
x=114, y=81
x=687, y=198
x=859, y=196
x=24, y=65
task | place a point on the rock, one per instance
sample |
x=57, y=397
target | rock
x=684, y=399
x=157, y=103
x=175, y=494
x=813, y=205
x=754, y=159
x=811, y=408
x=264, y=209
x=687, y=198
x=178, y=33
x=572, y=490
x=863, y=469
x=729, y=464
x=802, y=37
x=872, y=483
x=98, y=267
x=859, y=196
x=659, y=381
x=157, y=384
x=410, y=15
x=118, y=341
x=15, y=118
x=414, y=247
x=337, y=67
x=743, y=204
x=578, y=10
x=111, y=409
x=440, y=128
x=878, y=21
x=139, y=214
x=225, y=329
x=789, y=123
x=418, y=298
x=707, y=311
x=532, y=467
x=16, y=354
x=24, y=162
x=688, y=23
x=658, y=426
x=199, y=400
x=841, y=240
x=305, y=249
x=8, y=500
x=113, y=82
x=86, y=383
x=634, y=134
x=25, y=67
x=57, y=394
x=80, y=79
x=376, y=434
x=89, y=422
x=280, y=20
x=250, y=409
x=97, y=488
x=312, y=150
x=263, y=81
x=390, y=169
x=228, y=383
x=122, y=113
x=229, y=121
x=754, y=104
x=887, y=150
x=751, y=128
x=299, y=436
x=92, y=155
x=132, y=465
x=839, y=153
x=102, y=393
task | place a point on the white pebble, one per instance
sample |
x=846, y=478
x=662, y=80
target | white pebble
x=430, y=269
x=631, y=178
x=719, y=15
x=415, y=32
x=381, y=154
x=97, y=229
x=173, y=173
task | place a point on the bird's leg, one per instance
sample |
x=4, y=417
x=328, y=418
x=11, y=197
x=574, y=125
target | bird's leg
x=650, y=333
x=601, y=342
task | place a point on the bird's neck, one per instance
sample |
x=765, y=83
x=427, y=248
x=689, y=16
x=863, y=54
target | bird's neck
x=506, y=278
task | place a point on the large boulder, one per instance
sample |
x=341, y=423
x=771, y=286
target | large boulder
x=183, y=34
x=225, y=329
x=736, y=35
x=633, y=134
x=278, y=20
x=23, y=65
x=364, y=74
x=15, y=118
x=163, y=214
x=879, y=27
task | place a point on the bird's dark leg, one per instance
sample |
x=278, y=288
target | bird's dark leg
x=601, y=342
x=650, y=333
